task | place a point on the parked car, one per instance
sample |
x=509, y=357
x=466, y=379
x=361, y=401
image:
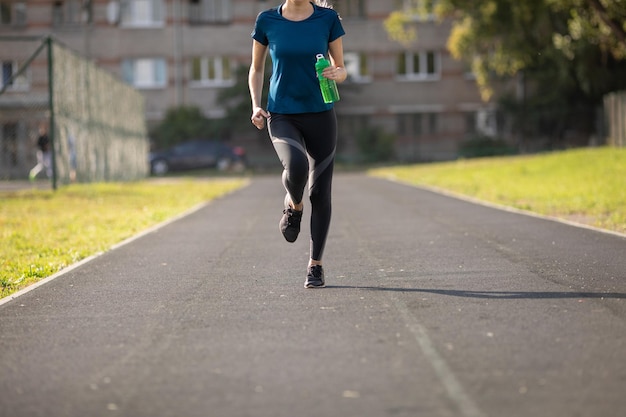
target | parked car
x=196, y=154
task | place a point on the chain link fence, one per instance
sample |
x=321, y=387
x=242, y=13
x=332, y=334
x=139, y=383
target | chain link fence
x=95, y=123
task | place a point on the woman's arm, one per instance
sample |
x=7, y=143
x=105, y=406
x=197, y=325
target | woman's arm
x=337, y=70
x=255, y=83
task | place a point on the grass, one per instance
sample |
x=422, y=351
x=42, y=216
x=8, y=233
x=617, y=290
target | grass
x=45, y=231
x=586, y=185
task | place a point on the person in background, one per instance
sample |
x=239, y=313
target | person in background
x=71, y=146
x=303, y=128
x=44, y=155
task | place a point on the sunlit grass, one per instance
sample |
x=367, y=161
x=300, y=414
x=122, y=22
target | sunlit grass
x=587, y=185
x=44, y=231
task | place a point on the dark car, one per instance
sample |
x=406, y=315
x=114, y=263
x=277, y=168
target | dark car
x=197, y=154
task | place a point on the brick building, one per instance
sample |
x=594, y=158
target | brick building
x=183, y=52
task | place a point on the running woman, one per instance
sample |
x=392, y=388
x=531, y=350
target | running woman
x=303, y=129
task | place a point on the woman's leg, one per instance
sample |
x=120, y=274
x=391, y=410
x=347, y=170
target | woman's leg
x=320, y=138
x=289, y=146
x=305, y=144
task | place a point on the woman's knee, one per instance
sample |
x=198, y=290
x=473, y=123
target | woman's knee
x=297, y=170
x=320, y=197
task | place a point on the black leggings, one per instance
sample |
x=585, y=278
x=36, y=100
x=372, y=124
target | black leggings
x=305, y=144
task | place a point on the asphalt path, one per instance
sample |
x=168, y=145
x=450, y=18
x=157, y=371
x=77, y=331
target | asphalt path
x=434, y=306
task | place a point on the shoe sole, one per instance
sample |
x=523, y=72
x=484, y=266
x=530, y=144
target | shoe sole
x=314, y=286
x=287, y=234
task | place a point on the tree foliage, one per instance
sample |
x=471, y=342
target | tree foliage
x=568, y=52
x=180, y=124
x=188, y=122
x=503, y=37
x=601, y=22
x=374, y=144
x=236, y=100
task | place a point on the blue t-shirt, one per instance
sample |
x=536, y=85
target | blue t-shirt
x=294, y=87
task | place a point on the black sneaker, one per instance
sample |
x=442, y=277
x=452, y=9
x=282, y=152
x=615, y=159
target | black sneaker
x=315, y=277
x=290, y=222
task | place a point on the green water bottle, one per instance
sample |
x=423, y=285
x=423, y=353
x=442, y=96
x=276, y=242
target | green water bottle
x=328, y=87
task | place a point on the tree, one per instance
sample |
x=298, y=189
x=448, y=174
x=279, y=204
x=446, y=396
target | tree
x=180, y=124
x=602, y=21
x=569, y=52
x=504, y=37
x=236, y=100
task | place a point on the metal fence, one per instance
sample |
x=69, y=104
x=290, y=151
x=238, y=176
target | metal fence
x=615, y=110
x=95, y=122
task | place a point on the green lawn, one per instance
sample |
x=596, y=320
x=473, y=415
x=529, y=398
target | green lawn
x=44, y=231
x=586, y=185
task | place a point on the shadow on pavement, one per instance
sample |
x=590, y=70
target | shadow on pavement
x=501, y=295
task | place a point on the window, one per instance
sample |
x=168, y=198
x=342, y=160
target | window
x=433, y=123
x=420, y=10
x=417, y=124
x=352, y=125
x=8, y=144
x=9, y=78
x=12, y=13
x=471, y=126
x=212, y=71
x=57, y=14
x=209, y=11
x=356, y=66
x=419, y=66
x=468, y=73
x=143, y=13
x=350, y=8
x=145, y=72
x=486, y=122
x=71, y=12
x=410, y=124
x=6, y=15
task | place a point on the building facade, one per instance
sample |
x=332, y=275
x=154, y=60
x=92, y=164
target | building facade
x=184, y=52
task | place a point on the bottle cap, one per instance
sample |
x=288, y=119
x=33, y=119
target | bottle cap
x=319, y=56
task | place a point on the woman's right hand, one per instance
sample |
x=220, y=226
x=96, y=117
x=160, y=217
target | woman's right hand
x=258, y=117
